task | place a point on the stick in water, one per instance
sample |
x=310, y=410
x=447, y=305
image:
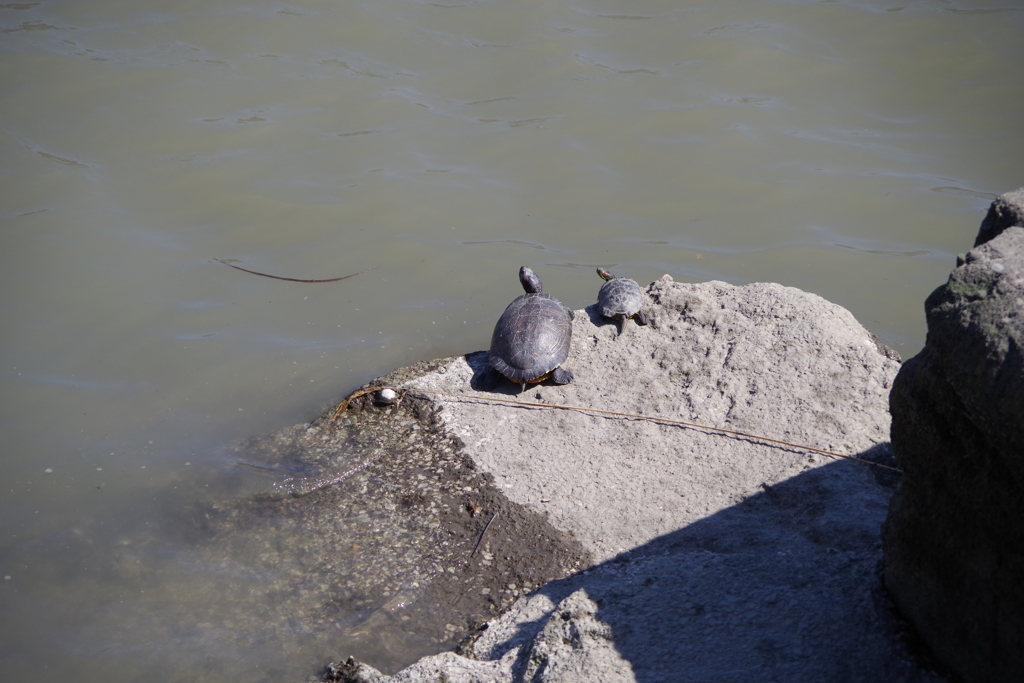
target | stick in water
x=291, y=279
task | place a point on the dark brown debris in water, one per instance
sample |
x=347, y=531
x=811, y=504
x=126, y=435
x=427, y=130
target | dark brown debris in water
x=290, y=279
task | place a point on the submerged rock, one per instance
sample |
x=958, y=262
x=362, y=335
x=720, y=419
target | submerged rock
x=954, y=539
x=381, y=537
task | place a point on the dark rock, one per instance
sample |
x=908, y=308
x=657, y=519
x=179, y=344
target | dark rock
x=954, y=538
x=1005, y=212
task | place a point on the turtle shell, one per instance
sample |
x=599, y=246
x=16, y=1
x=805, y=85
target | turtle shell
x=531, y=338
x=620, y=298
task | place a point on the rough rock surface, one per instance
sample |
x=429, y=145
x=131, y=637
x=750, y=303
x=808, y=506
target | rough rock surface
x=720, y=557
x=1005, y=212
x=954, y=540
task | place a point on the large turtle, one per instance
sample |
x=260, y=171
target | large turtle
x=531, y=340
x=620, y=299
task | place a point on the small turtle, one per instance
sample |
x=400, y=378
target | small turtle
x=620, y=299
x=531, y=338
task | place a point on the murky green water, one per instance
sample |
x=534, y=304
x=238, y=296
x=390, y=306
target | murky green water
x=846, y=148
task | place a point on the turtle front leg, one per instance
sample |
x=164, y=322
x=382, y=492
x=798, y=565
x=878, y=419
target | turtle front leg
x=562, y=376
x=485, y=380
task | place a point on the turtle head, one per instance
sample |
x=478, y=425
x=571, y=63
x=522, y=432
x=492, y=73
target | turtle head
x=605, y=274
x=531, y=283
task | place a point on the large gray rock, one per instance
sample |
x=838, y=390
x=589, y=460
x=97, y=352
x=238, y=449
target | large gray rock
x=954, y=538
x=720, y=557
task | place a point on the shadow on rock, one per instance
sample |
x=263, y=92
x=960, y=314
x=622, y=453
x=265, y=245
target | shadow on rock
x=782, y=586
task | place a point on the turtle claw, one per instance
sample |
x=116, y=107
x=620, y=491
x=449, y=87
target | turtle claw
x=562, y=376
